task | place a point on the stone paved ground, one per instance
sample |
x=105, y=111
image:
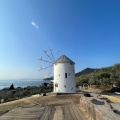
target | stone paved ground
x=63, y=107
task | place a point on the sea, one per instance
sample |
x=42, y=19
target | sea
x=21, y=83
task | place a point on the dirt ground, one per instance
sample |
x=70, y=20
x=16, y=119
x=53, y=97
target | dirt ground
x=112, y=97
x=62, y=107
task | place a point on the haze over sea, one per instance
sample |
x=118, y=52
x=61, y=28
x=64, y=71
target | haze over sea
x=21, y=83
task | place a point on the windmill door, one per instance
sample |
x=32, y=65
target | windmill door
x=56, y=87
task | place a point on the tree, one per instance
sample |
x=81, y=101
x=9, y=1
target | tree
x=11, y=87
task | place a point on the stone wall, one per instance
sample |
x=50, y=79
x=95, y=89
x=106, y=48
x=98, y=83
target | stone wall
x=96, y=107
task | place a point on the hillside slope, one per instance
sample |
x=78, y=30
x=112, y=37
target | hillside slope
x=85, y=71
x=104, y=76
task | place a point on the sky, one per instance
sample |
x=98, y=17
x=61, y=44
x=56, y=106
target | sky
x=87, y=31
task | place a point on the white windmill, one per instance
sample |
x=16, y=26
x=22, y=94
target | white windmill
x=64, y=74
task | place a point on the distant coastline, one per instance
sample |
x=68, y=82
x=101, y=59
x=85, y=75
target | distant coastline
x=21, y=83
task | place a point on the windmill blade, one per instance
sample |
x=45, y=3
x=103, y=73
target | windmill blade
x=45, y=68
x=52, y=54
x=45, y=61
x=48, y=55
x=40, y=68
x=58, y=52
x=51, y=50
x=40, y=58
x=44, y=76
x=45, y=51
x=50, y=71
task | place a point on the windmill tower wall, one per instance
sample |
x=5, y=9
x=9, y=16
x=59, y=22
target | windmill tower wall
x=64, y=75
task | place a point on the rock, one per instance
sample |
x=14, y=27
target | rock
x=43, y=94
x=99, y=108
x=2, y=101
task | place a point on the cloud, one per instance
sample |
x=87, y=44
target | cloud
x=34, y=25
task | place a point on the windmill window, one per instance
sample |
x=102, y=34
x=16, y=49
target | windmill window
x=69, y=74
x=65, y=86
x=59, y=75
x=65, y=75
x=56, y=85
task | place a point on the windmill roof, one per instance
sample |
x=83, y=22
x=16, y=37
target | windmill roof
x=64, y=59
